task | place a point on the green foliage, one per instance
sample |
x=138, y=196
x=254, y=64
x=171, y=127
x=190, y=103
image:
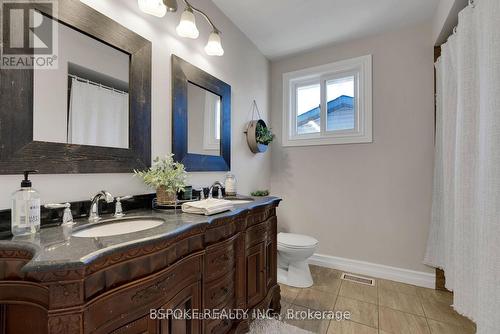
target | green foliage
x=260, y=193
x=263, y=134
x=165, y=172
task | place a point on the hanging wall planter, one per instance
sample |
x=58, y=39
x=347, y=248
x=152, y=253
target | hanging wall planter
x=259, y=136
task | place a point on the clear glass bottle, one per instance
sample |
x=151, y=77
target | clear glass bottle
x=230, y=185
x=25, y=213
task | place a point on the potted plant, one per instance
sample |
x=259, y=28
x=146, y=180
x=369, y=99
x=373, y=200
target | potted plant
x=260, y=193
x=259, y=136
x=167, y=177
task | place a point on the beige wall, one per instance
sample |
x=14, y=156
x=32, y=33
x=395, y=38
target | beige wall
x=368, y=202
x=242, y=66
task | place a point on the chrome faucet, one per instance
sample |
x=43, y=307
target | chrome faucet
x=94, y=205
x=216, y=184
x=118, y=206
x=67, y=216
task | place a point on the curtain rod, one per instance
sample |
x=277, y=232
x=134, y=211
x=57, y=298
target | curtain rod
x=96, y=84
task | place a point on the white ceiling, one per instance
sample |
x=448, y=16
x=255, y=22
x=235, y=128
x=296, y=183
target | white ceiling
x=283, y=27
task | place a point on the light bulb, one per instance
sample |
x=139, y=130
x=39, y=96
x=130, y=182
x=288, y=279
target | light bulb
x=153, y=7
x=187, y=25
x=214, y=45
x=171, y=5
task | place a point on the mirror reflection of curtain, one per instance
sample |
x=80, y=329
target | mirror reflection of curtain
x=98, y=115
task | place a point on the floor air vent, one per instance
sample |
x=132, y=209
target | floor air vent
x=358, y=279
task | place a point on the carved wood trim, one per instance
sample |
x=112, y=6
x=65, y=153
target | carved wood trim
x=220, y=292
x=221, y=327
x=271, y=301
x=66, y=294
x=239, y=219
x=219, y=259
x=151, y=291
x=241, y=327
x=15, y=254
x=65, y=324
x=56, y=276
x=24, y=292
x=261, y=214
x=112, y=309
x=241, y=277
x=141, y=251
x=224, y=228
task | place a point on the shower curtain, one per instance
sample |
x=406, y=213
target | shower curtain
x=98, y=116
x=464, y=239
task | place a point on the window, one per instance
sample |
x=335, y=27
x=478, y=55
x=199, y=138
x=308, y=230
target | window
x=308, y=102
x=329, y=104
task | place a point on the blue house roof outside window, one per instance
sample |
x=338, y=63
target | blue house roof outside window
x=340, y=116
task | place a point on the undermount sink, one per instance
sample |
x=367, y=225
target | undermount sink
x=119, y=226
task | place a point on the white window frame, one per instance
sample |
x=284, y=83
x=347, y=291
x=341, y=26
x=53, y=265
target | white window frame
x=361, y=69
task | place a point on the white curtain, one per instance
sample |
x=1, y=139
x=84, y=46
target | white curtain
x=98, y=116
x=464, y=239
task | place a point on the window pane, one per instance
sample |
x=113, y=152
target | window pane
x=340, y=99
x=308, y=111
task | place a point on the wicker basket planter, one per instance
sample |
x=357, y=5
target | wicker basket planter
x=164, y=197
x=251, y=133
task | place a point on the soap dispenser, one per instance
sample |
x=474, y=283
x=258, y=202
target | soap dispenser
x=230, y=184
x=25, y=208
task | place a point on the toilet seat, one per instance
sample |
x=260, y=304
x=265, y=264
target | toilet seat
x=296, y=241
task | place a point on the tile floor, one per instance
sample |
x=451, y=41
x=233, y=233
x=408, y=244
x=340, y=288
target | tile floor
x=387, y=308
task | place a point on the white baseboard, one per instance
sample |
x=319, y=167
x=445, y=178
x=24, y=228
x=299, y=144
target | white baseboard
x=419, y=278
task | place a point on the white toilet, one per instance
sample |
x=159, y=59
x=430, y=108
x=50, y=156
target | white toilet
x=293, y=252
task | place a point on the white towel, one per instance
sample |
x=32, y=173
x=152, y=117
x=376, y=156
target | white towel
x=207, y=207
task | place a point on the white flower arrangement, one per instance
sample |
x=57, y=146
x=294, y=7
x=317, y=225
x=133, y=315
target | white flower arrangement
x=165, y=173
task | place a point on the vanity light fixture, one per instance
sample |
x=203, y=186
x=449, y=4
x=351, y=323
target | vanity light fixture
x=214, y=45
x=187, y=28
x=187, y=25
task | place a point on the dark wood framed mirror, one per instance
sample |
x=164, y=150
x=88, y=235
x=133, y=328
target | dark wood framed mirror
x=201, y=118
x=22, y=91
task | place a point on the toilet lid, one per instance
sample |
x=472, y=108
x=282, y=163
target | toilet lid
x=296, y=240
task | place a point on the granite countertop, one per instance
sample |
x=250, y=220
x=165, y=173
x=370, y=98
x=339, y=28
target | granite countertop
x=55, y=248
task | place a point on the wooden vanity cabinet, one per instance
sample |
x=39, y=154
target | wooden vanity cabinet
x=139, y=326
x=187, y=299
x=261, y=260
x=227, y=264
x=256, y=274
x=271, y=263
